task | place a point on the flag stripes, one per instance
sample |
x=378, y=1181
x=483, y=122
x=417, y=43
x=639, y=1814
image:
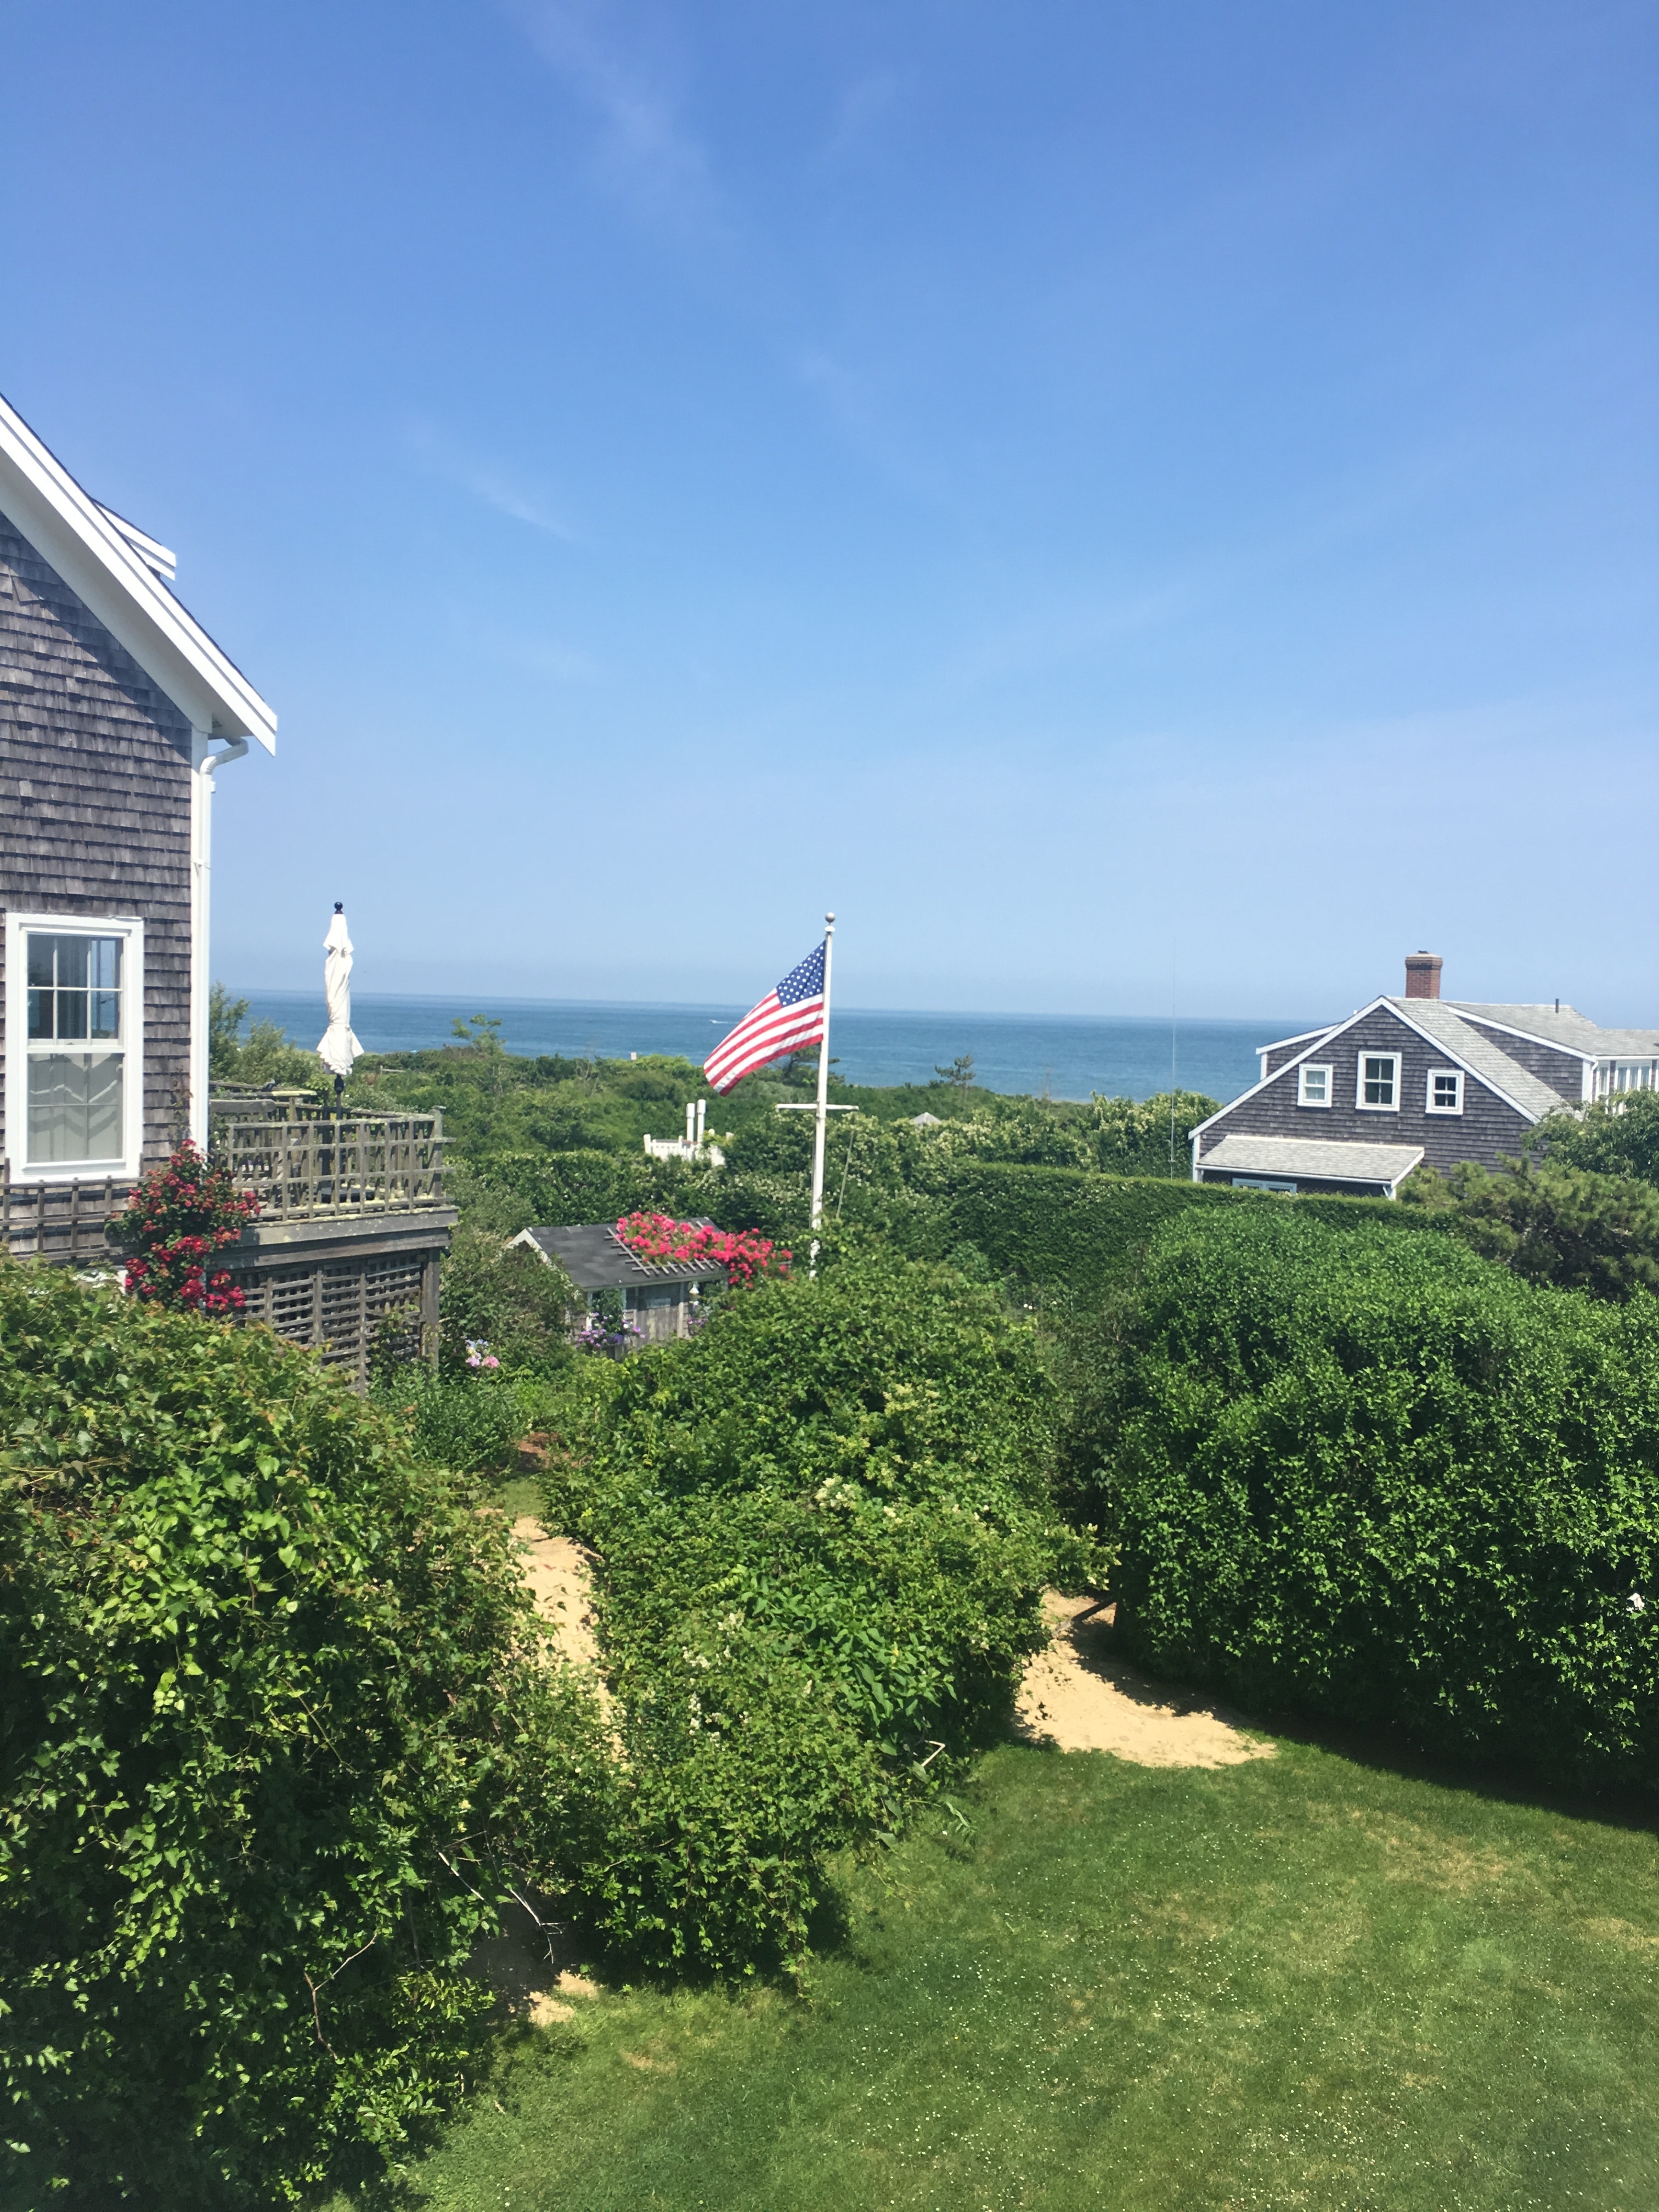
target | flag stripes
x=788, y=1018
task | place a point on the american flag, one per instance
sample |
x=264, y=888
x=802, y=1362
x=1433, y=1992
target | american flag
x=786, y=1018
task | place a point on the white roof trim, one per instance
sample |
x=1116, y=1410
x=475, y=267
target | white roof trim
x=155, y=556
x=102, y=560
x=1301, y=1038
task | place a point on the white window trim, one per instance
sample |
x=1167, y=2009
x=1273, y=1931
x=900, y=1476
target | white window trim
x=1438, y=1074
x=1315, y=1067
x=128, y=927
x=1359, y=1081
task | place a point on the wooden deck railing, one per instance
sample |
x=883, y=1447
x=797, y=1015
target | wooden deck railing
x=320, y=1167
x=60, y=1221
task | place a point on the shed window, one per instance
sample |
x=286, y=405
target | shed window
x=1313, y=1086
x=1378, y=1088
x=75, y=1047
x=1445, y=1090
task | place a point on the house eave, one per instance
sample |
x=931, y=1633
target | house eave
x=69, y=528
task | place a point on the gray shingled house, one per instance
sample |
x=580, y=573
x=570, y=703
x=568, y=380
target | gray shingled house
x=117, y=710
x=1355, y=1107
x=660, y=1297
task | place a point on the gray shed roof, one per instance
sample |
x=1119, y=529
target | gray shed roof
x=1301, y=1157
x=596, y=1259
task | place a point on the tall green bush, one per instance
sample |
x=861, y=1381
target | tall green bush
x=275, y=1734
x=1372, y=1476
x=823, y=1528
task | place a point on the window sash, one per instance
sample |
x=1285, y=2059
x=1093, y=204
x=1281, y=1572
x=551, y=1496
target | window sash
x=1379, y=1081
x=74, y=1021
x=1313, y=1085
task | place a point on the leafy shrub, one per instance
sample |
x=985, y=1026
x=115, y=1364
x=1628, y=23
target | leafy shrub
x=509, y=1296
x=1556, y=1223
x=468, y=1423
x=1372, y=1476
x=274, y=1723
x=1611, y=1137
x=824, y=1525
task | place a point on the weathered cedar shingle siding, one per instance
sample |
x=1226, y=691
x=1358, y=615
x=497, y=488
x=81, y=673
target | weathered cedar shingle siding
x=1485, y=1127
x=95, y=799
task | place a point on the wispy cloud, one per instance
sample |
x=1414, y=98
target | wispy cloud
x=496, y=486
x=648, y=156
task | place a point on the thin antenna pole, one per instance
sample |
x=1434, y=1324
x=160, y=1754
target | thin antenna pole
x=822, y=1119
x=1172, y=1077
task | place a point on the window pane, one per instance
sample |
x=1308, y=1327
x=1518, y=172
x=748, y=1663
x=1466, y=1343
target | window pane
x=75, y=1107
x=74, y=963
x=71, y=954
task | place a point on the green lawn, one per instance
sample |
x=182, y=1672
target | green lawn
x=1302, y=1982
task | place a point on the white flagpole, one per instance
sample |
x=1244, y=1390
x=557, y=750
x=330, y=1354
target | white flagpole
x=823, y=1119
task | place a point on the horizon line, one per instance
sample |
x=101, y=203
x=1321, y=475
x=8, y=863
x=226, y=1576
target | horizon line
x=721, y=1006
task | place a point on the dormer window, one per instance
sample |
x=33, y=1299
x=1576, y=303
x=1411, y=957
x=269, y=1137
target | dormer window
x=1445, y=1090
x=1313, y=1085
x=1377, y=1090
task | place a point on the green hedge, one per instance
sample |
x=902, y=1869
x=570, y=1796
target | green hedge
x=1372, y=1476
x=274, y=1734
x=1053, y=1225
x=824, y=1526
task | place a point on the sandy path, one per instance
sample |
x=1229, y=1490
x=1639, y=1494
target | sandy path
x=562, y=1582
x=1078, y=1696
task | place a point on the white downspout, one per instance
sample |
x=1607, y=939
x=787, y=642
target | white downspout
x=204, y=762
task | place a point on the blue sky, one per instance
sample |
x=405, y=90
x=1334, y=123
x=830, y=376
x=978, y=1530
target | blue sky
x=1116, y=499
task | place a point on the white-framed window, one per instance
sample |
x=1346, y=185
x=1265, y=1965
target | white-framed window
x=1446, y=1091
x=1313, y=1084
x=75, y=1046
x=1376, y=1089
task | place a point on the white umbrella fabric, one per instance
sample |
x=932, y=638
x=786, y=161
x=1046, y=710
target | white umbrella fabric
x=338, y=1047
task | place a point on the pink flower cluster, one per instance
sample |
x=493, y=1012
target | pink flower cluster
x=179, y=1217
x=743, y=1254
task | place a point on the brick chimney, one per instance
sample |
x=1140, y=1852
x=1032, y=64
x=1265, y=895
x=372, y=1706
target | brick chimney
x=1422, y=974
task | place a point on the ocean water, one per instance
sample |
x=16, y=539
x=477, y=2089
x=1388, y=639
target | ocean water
x=1067, y=1056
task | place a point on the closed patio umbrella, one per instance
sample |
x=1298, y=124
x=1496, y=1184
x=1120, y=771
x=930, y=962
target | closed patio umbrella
x=338, y=1047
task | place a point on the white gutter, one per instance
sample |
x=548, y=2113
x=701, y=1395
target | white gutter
x=203, y=764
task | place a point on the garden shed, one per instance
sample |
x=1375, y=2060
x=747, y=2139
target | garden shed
x=658, y=1297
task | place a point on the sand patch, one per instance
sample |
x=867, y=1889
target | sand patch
x=560, y=1581
x=1078, y=1696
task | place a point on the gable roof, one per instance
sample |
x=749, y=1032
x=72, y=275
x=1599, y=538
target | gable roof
x=1475, y=1050
x=118, y=571
x=1564, y=1027
x=1471, y=1049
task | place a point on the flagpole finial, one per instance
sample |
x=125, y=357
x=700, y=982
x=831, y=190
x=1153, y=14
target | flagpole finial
x=339, y=906
x=830, y=919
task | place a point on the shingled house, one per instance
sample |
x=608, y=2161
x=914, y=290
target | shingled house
x=658, y=1297
x=117, y=710
x=1355, y=1107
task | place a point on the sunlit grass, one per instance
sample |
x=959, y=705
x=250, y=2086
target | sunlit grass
x=1301, y=1982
